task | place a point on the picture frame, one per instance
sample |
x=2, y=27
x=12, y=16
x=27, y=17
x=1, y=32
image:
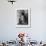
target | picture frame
x=23, y=17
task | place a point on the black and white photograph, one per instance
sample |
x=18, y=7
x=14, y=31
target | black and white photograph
x=23, y=17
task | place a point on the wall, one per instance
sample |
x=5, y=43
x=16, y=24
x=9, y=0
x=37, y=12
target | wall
x=8, y=28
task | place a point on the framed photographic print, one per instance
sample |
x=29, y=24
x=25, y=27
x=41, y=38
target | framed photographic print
x=23, y=17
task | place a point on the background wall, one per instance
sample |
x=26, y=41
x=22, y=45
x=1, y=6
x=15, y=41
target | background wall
x=8, y=28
